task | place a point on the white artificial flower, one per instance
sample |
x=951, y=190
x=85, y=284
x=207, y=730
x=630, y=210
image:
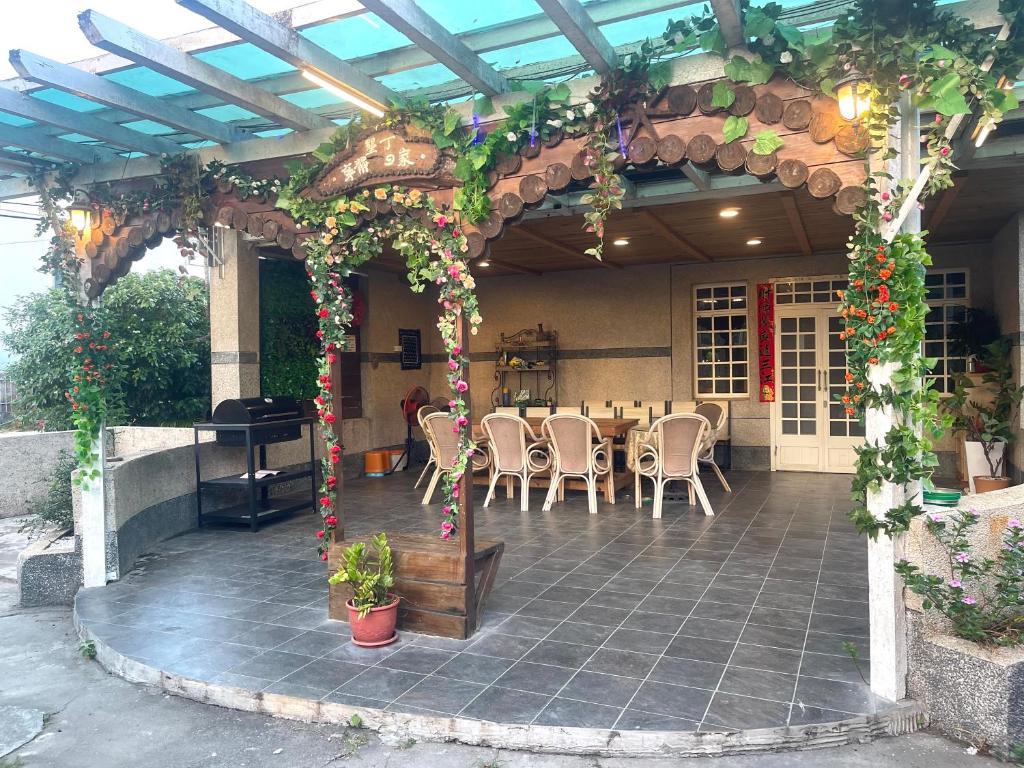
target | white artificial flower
x=555, y=123
x=678, y=38
x=588, y=108
x=511, y=136
x=786, y=57
x=570, y=115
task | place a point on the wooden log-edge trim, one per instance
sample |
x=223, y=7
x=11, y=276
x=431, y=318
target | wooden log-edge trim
x=823, y=182
x=903, y=718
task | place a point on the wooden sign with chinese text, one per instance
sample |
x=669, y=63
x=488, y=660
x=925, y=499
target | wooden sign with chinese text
x=382, y=157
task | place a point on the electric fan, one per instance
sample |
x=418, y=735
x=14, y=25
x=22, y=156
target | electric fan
x=414, y=399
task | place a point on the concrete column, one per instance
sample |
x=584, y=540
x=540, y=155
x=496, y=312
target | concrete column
x=234, y=319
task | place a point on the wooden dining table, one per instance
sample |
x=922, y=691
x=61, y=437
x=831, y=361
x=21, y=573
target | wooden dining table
x=609, y=428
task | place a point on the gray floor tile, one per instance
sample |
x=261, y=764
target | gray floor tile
x=381, y=684
x=761, y=657
x=581, y=634
x=700, y=649
x=638, y=640
x=441, y=694
x=612, y=690
x=633, y=720
x=324, y=676
x=535, y=678
x=730, y=710
x=503, y=705
x=272, y=665
x=773, y=637
x=474, y=669
x=833, y=694
x=774, y=617
x=712, y=629
x=695, y=674
x=314, y=643
x=560, y=654
x=526, y=626
x=596, y=614
x=266, y=635
x=759, y=683
x=673, y=700
x=577, y=714
x=627, y=663
x=502, y=646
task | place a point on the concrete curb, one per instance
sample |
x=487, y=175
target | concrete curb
x=905, y=717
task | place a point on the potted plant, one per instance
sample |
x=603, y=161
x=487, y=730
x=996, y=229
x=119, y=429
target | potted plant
x=373, y=608
x=968, y=338
x=988, y=427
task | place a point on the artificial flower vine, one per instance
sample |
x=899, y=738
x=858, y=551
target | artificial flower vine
x=433, y=245
x=87, y=390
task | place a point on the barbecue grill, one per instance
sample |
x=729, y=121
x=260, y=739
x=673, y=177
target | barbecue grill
x=261, y=415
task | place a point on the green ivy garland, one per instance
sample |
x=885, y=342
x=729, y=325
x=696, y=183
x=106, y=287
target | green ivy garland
x=87, y=390
x=433, y=245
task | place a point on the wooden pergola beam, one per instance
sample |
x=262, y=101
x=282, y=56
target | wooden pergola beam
x=113, y=36
x=95, y=88
x=730, y=21
x=700, y=178
x=284, y=42
x=576, y=24
x=796, y=222
x=409, y=19
x=663, y=229
x=564, y=249
x=35, y=141
x=945, y=203
x=15, y=103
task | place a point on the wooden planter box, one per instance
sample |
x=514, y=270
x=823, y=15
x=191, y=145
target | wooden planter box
x=430, y=577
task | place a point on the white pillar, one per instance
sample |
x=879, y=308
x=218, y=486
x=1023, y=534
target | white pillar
x=93, y=521
x=886, y=610
x=234, y=319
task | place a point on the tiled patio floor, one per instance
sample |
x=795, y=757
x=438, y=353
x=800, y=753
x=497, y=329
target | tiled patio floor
x=614, y=620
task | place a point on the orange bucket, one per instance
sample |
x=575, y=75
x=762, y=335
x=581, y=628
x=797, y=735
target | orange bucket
x=376, y=463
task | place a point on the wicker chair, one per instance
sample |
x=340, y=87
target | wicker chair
x=574, y=454
x=670, y=453
x=444, y=444
x=715, y=414
x=516, y=452
x=421, y=414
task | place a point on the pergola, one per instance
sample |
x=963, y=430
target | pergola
x=260, y=89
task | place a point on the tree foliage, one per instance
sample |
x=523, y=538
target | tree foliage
x=288, y=343
x=159, y=326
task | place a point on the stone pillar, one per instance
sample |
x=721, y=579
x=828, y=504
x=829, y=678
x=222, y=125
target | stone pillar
x=234, y=319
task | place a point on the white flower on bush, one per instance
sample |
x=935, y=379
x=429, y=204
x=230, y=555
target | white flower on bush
x=588, y=109
x=555, y=123
x=511, y=136
x=570, y=115
x=786, y=57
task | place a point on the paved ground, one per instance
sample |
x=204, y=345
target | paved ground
x=613, y=620
x=99, y=721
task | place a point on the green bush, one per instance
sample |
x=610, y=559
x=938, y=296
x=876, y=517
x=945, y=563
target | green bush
x=55, y=508
x=160, y=330
x=288, y=325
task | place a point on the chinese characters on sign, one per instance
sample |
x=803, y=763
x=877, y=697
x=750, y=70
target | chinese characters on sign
x=380, y=157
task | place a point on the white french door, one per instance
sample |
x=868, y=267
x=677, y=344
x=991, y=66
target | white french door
x=810, y=429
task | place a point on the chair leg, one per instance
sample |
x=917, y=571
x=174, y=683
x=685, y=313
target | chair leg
x=696, y=483
x=610, y=487
x=561, y=490
x=432, y=485
x=637, y=497
x=721, y=477
x=592, y=493
x=508, y=486
x=524, y=499
x=689, y=488
x=552, y=492
x=423, y=474
x=659, y=497
x=490, y=489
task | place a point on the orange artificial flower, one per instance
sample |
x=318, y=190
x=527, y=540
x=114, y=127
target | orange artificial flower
x=850, y=411
x=849, y=376
x=872, y=361
x=894, y=307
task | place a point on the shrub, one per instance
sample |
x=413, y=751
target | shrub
x=55, y=507
x=982, y=597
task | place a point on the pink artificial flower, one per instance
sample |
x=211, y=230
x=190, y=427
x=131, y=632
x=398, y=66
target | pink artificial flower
x=461, y=386
x=453, y=365
x=462, y=421
x=453, y=271
x=885, y=196
x=446, y=509
x=442, y=221
x=447, y=527
x=445, y=535
x=887, y=216
x=452, y=403
x=456, y=350
x=455, y=491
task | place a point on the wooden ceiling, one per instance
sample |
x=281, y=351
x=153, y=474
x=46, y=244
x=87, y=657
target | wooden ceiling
x=786, y=222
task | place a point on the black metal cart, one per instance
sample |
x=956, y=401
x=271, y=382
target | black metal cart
x=254, y=436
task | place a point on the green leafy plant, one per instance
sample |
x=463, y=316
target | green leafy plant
x=371, y=576
x=982, y=597
x=87, y=649
x=989, y=423
x=55, y=508
x=973, y=332
x=288, y=343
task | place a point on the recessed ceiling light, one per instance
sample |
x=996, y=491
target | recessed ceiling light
x=483, y=263
x=754, y=241
x=620, y=241
x=729, y=213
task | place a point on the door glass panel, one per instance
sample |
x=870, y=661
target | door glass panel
x=839, y=424
x=798, y=375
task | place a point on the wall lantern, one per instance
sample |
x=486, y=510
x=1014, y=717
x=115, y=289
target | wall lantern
x=80, y=211
x=853, y=92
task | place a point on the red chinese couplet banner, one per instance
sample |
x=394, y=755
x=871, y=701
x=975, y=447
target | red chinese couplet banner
x=766, y=341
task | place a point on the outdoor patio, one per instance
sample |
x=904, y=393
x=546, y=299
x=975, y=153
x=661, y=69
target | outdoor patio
x=608, y=621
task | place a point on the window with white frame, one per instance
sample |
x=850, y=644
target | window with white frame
x=721, y=344
x=948, y=297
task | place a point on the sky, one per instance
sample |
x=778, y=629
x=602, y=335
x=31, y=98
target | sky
x=50, y=28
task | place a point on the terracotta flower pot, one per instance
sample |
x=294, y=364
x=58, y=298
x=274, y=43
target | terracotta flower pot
x=375, y=629
x=984, y=484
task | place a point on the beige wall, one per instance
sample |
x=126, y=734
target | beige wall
x=1008, y=303
x=622, y=334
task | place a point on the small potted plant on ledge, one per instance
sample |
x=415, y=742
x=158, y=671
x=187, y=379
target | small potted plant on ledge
x=988, y=427
x=373, y=608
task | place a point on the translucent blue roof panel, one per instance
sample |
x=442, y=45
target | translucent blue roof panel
x=151, y=127
x=420, y=77
x=13, y=120
x=227, y=113
x=245, y=60
x=557, y=47
x=643, y=27
x=460, y=16
x=67, y=100
x=273, y=133
x=317, y=97
x=356, y=36
x=146, y=80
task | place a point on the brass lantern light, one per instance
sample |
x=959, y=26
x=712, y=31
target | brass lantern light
x=80, y=212
x=853, y=92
